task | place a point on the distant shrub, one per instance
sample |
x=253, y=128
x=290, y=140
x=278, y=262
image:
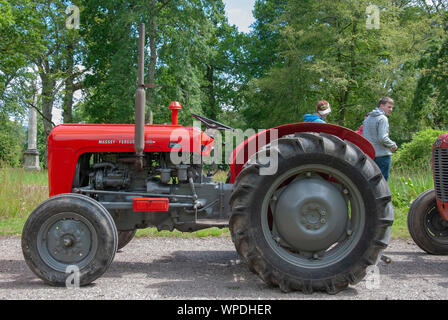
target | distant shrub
x=416, y=153
x=12, y=141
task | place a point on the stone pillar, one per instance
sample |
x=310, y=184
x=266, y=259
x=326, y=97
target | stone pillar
x=32, y=155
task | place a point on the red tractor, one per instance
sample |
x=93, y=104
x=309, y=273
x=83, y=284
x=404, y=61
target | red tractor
x=428, y=215
x=314, y=224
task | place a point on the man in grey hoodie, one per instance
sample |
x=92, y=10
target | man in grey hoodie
x=376, y=130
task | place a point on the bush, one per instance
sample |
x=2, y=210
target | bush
x=12, y=141
x=416, y=154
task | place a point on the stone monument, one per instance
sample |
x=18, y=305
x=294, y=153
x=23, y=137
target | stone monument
x=31, y=156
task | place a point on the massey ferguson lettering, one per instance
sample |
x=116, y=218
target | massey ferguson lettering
x=106, y=141
x=126, y=142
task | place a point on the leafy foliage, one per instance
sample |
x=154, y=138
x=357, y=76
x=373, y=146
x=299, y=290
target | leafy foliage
x=432, y=89
x=325, y=51
x=11, y=143
x=417, y=153
x=188, y=36
x=297, y=53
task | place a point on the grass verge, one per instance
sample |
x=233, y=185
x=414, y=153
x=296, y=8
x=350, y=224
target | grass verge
x=211, y=232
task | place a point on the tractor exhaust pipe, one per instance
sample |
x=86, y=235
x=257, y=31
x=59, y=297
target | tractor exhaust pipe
x=140, y=100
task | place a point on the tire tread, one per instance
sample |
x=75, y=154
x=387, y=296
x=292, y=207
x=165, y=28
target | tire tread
x=313, y=143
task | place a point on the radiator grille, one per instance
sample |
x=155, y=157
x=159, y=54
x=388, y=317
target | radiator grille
x=441, y=173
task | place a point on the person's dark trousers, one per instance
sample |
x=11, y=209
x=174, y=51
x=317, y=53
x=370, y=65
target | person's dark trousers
x=384, y=165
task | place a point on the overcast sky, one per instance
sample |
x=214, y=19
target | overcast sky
x=239, y=13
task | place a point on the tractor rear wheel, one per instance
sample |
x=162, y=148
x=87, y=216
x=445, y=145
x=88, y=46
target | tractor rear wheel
x=69, y=232
x=124, y=237
x=428, y=230
x=319, y=221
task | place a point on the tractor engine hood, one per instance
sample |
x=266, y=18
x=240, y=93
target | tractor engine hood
x=67, y=142
x=83, y=138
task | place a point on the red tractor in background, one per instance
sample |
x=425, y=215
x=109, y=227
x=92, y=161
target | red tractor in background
x=314, y=224
x=428, y=214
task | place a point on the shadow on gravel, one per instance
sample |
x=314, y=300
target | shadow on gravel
x=222, y=272
x=20, y=276
x=407, y=265
x=182, y=264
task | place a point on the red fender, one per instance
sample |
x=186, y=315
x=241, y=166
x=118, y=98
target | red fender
x=242, y=152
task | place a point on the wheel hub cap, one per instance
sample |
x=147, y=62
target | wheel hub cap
x=311, y=214
x=68, y=241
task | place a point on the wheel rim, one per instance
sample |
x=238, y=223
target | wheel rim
x=67, y=239
x=302, y=238
x=435, y=226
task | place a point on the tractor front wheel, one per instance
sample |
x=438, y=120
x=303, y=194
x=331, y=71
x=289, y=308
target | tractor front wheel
x=428, y=230
x=69, y=233
x=318, y=221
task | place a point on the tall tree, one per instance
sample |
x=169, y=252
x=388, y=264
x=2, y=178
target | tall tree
x=265, y=38
x=72, y=71
x=327, y=51
x=431, y=94
x=181, y=59
x=54, y=62
x=18, y=40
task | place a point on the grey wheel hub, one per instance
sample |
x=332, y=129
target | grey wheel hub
x=311, y=214
x=69, y=241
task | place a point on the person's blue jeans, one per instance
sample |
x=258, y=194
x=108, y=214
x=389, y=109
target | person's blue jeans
x=384, y=165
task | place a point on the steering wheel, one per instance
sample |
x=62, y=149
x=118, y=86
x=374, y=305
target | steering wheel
x=212, y=124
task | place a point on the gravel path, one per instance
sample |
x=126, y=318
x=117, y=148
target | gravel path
x=209, y=268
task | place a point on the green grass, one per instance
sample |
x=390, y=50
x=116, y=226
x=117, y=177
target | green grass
x=211, y=232
x=221, y=176
x=400, y=226
x=12, y=226
x=405, y=187
x=22, y=191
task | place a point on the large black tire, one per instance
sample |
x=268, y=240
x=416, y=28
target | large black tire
x=69, y=230
x=295, y=267
x=124, y=237
x=425, y=225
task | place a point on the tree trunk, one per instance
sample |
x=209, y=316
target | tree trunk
x=69, y=89
x=48, y=86
x=342, y=101
x=211, y=110
x=47, y=102
x=153, y=58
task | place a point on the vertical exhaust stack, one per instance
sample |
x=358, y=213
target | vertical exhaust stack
x=140, y=100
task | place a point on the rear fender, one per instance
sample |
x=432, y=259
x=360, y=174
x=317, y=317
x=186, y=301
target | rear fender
x=242, y=152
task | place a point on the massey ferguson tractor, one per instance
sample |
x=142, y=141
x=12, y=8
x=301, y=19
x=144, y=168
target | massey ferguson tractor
x=428, y=215
x=315, y=223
